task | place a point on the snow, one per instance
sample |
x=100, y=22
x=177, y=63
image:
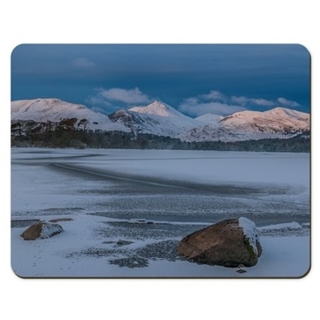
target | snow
x=89, y=247
x=50, y=229
x=250, y=232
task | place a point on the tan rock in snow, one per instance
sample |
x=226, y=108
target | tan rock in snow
x=227, y=243
x=41, y=230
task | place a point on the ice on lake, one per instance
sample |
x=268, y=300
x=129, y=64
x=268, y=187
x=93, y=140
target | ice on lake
x=133, y=206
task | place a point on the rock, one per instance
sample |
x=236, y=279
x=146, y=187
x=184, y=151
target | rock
x=41, y=230
x=33, y=232
x=228, y=243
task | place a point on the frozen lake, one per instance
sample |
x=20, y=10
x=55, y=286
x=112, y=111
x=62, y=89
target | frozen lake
x=145, y=201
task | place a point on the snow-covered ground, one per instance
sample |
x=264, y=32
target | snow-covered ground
x=130, y=208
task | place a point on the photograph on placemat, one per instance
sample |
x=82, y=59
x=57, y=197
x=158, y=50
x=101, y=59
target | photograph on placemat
x=160, y=161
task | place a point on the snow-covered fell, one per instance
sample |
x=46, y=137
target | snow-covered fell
x=43, y=110
x=160, y=119
x=156, y=118
x=247, y=125
x=277, y=119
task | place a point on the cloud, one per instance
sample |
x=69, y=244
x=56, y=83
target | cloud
x=83, y=63
x=98, y=101
x=110, y=100
x=288, y=103
x=240, y=100
x=194, y=107
x=262, y=102
x=213, y=102
x=213, y=95
x=221, y=104
x=245, y=101
x=250, y=102
x=127, y=96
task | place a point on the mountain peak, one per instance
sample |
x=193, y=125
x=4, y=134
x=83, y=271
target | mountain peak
x=158, y=104
x=278, y=110
x=285, y=112
x=156, y=108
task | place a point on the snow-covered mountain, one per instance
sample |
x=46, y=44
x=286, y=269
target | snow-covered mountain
x=160, y=119
x=247, y=125
x=156, y=118
x=55, y=110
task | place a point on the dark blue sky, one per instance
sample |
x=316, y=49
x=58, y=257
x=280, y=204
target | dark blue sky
x=195, y=79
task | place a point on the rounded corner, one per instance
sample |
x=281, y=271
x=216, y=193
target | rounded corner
x=305, y=49
x=16, y=47
x=306, y=273
x=16, y=273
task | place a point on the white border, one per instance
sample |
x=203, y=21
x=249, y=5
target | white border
x=154, y=22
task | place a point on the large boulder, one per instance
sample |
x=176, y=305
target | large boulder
x=41, y=230
x=228, y=243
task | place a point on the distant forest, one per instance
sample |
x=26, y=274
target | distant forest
x=65, y=134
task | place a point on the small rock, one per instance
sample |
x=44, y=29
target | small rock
x=41, y=230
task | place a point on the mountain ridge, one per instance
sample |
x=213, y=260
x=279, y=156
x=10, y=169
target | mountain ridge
x=161, y=119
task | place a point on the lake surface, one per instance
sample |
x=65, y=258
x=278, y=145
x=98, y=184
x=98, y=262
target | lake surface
x=116, y=184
